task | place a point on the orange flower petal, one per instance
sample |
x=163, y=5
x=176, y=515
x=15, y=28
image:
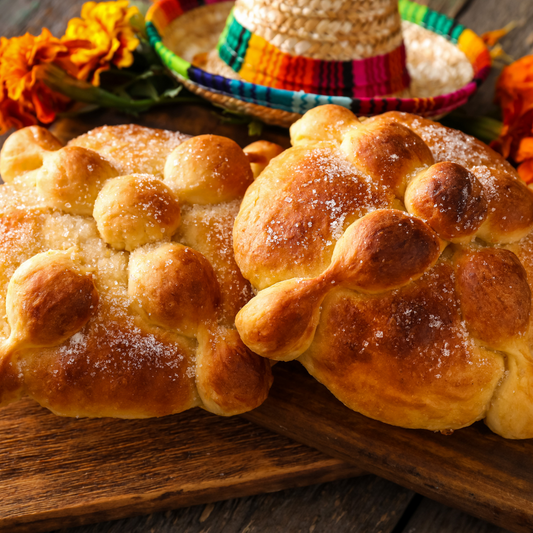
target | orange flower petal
x=13, y=115
x=526, y=171
x=525, y=150
x=96, y=76
x=490, y=38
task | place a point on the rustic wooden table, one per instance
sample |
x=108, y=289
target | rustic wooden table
x=365, y=503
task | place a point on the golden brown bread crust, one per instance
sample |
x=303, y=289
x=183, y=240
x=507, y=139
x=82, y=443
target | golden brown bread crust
x=25, y=151
x=322, y=192
x=105, y=307
x=388, y=152
x=450, y=199
x=494, y=293
x=392, y=360
x=131, y=211
x=208, y=169
x=113, y=369
x=71, y=178
x=260, y=153
x=408, y=313
x=174, y=287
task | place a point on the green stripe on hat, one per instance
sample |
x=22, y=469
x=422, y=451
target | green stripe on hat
x=412, y=12
x=172, y=61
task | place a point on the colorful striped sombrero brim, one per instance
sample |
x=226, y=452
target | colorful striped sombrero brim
x=203, y=21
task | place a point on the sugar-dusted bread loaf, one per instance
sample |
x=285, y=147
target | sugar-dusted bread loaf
x=393, y=258
x=118, y=283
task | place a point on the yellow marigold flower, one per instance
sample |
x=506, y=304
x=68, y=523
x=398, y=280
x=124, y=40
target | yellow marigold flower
x=106, y=26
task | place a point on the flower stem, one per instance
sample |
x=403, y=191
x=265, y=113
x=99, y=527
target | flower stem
x=485, y=129
x=58, y=80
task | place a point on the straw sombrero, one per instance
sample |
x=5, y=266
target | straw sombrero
x=276, y=59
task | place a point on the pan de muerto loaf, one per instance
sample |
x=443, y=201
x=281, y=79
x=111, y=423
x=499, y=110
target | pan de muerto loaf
x=393, y=258
x=118, y=283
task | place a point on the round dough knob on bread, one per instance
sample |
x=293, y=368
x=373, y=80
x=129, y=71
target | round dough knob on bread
x=280, y=322
x=494, y=294
x=323, y=123
x=208, y=169
x=230, y=378
x=25, y=150
x=131, y=211
x=450, y=199
x=384, y=250
x=510, y=207
x=71, y=178
x=174, y=287
x=49, y=298
x=388, y=152
x=260, y=153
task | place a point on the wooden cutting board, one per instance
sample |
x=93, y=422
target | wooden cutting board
x=473, y=469
x=58, y=472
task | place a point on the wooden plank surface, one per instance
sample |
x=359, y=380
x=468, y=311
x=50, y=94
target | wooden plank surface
x=473, y=469
x=366, y=504
x=434, y=517
x=58, y=471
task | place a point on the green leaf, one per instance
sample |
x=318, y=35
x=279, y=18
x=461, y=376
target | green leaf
x=143, y=89
x=173, y=93
x=255, y=127
x=485, y=129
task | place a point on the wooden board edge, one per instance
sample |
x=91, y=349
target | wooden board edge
x=479, y=501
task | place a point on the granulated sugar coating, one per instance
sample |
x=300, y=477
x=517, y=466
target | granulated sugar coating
x=101, y=212
x=393, y=260
x=131, y=149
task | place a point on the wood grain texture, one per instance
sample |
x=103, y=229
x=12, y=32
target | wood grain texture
x=473, y=470
x=367, y=503
x=448, y=7
x=57, y=471
x=432, y=517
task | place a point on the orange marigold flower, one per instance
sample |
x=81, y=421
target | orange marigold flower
x=14, y=115
x=514, y=93
x=24, y=97
x=106, y=26
x=22, y=56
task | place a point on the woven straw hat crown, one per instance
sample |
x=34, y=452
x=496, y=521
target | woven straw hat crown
x=335, y=30
x=338, y=47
